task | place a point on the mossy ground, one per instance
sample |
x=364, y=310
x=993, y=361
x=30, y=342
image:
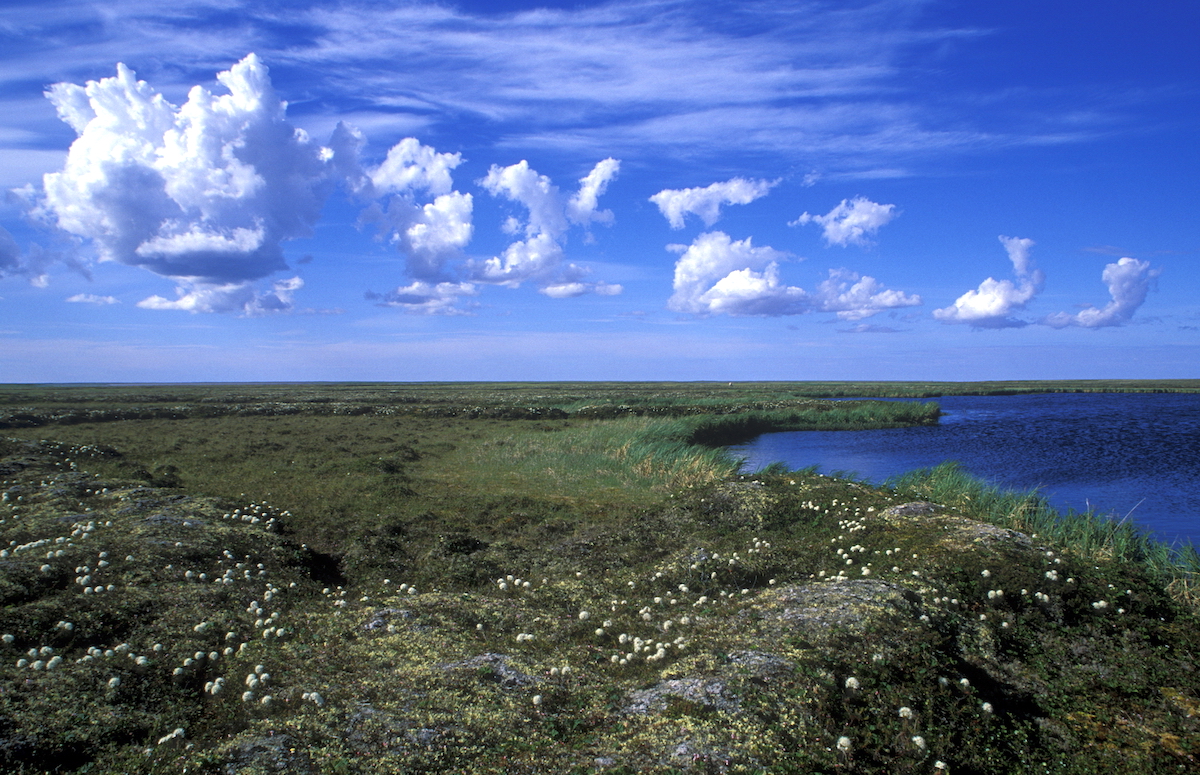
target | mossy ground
x=656, y=619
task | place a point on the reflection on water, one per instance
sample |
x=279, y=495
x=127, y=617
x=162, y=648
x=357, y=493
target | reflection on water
x=1128, y=454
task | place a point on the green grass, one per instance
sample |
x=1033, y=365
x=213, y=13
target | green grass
x=321, y=505
x=1088, y=534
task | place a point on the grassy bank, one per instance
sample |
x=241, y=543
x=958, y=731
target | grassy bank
x=1087, y=534
x=526, y=579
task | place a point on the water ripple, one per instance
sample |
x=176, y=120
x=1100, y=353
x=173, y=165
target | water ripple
x=1128, y=454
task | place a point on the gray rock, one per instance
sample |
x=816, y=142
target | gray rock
x=276, y=753
x=701, y=694
x=495, y=667
x=914, y=509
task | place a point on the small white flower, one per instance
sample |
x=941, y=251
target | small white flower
x=986, y=707
x=852, y=683
x=537, y=699
x=919, y=742
x=906, y=712
x=843, y=744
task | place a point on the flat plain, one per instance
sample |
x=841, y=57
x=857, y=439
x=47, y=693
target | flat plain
x=558, y=577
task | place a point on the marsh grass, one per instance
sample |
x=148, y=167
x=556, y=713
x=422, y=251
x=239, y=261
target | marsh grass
x=1088, y=534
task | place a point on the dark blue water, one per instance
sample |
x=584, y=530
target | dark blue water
x=1126, y=454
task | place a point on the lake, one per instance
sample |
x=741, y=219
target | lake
x=1134, y=455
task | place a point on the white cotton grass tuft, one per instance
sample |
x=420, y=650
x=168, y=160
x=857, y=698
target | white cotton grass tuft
x=175, y=735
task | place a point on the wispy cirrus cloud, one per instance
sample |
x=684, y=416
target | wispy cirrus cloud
x=824, y=86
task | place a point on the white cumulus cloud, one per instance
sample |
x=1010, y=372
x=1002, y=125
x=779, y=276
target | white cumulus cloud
x=1128, y=281
x=203, y=193
x=422, y=298
x=854, y=297
x=852, y=221
x=582, y=208
x=539, y=258
x=716, y=274
x=240, y=298
x=992, y=304
x=569, y=290
x=414, y=205
x=706, y=202
x=411, y=166
x=91, y=298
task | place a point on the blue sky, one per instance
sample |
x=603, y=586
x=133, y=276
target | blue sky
x=897, y=190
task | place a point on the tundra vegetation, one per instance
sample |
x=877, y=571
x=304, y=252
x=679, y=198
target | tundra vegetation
x=538, y=578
